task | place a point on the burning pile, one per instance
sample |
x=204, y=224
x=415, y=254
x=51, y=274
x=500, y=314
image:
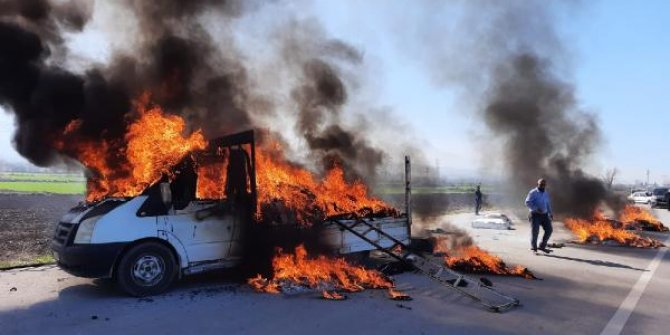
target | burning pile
x=472, y=259
x=600, y=230
x=282, y=184
x=636, y=218
x=296, y=271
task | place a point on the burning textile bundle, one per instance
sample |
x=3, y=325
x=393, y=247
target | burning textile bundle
x=601, y=230
x=297, y=271
x=470, y=258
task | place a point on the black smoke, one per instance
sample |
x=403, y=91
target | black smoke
x=513, y=68
x=543, y=133
x=320, y=99
x=189, y=70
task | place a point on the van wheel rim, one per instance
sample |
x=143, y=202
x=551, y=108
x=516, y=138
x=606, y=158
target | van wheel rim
x=148, y=270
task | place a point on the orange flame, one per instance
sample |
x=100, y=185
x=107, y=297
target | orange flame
x=473, y=259
x=394, y=294
x=211, y=181
x=634, y=217
x=307, y=197
x=298, y=269
x=333, y=295
x=599, y=229
x=154, y=143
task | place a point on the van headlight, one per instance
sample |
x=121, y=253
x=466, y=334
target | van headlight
x=85, y=230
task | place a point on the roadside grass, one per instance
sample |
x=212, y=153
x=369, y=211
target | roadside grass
x=73, y=187
x=55, y=177
x=39, y=260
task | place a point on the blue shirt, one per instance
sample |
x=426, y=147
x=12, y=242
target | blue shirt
x=538, y=201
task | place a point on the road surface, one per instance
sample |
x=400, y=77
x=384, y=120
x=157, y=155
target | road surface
x=585, y=290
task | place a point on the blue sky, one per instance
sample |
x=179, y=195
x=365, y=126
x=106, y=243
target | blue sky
x=619, y=51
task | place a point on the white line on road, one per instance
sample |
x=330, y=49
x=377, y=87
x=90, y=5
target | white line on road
x=618, y=321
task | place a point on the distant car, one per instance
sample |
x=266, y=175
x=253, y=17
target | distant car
x=658, y=198
x=640, y=198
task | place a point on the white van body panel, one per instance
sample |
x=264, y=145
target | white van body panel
x=182, y=253
x=123, y=225
x=205, y=235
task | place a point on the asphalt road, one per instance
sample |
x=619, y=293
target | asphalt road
x=585, y=290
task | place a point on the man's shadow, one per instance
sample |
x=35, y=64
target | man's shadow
x=597, y=262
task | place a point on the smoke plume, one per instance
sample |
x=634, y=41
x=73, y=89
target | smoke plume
x=185, y=53
x=512, y=66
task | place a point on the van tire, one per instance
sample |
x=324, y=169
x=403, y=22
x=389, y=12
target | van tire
x=146, y=269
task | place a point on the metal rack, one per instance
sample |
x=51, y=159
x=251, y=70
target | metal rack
x=485, y=295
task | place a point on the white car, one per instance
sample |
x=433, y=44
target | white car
x=640, y=198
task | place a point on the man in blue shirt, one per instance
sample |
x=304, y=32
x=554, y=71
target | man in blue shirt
x=538, y=204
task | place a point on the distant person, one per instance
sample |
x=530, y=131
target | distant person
x=478, y=200
x=538, y=204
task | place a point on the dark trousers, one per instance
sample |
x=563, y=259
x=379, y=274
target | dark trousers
x=478, y=206
x=537, y=220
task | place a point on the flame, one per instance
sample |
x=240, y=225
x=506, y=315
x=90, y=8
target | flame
x=333, y=295
x=634, y=217
x=394, y=294
x=298, y=269
x=211, y=181
x=152, y=145
x=155, y=142
x=307, y=197
x=473, y=259
x=600, y=229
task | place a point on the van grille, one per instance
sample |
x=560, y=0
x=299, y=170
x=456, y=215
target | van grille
x=64, y=233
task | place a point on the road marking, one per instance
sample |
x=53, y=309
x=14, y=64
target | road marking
x=618, y=321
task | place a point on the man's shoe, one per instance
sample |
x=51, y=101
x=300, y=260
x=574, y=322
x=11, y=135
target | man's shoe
x=533, y=249
x=546, y=251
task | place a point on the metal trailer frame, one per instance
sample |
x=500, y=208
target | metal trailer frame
x=484, y=295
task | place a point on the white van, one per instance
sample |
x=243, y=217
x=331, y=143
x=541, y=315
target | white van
x=148, y=241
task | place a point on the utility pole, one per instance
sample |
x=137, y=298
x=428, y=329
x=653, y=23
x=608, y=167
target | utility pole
x=647, y=177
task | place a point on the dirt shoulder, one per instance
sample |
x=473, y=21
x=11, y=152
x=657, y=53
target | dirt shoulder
x=27, y=222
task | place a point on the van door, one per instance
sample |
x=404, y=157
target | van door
x=204, y=230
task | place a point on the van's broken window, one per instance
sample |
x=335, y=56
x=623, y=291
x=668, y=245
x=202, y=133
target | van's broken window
x=212, y=176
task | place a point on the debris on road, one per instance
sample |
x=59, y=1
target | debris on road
x=493, y=221
x=394, y=294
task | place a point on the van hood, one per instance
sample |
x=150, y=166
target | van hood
x=86, y=210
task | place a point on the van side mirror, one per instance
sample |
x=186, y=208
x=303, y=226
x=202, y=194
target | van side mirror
x=166, y=194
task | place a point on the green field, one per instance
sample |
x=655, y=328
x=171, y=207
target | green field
x=396, y=189
x=58, y=183
x=43, y=187
x=54, y=177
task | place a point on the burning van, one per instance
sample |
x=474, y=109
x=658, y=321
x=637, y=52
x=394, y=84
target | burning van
x=195, y=218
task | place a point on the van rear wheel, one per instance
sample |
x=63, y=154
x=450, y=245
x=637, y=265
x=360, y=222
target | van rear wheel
x=146, y=269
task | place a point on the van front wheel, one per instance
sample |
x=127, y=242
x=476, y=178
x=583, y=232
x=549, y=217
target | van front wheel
x=146, y=269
